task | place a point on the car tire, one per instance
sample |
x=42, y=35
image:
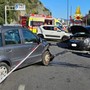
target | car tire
x=65, y=38
x=40, y=35
x=4, y=69
x=46, y=58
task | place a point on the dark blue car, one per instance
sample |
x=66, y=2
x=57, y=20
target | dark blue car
x=80, y=40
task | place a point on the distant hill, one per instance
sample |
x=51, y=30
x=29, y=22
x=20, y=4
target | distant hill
x=32, y=6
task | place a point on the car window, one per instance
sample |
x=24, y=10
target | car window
x=56, y=28
x=48, y=28
x=29, y=37
x=12, y=37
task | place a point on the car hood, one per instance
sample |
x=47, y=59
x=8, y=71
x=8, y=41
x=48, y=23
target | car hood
x=77, y=29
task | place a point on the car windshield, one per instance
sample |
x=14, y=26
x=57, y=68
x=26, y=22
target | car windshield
x=61, y=28
x=0, y=40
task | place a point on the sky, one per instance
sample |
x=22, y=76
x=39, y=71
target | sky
x=59, y=7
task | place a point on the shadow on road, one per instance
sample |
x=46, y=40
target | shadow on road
x=82, y=54
x=65, y=64
x=60, y=53
x=62, y=44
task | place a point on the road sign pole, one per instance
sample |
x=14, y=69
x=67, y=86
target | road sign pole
x=16, y=7
x=5, y=14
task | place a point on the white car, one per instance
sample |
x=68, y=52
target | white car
x=52, y=32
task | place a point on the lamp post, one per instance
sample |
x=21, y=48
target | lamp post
x=67, y=12
x=86, y=19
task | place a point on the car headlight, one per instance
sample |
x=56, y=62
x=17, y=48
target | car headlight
x=87, y=41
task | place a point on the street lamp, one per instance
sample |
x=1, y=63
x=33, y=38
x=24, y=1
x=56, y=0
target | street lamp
x=86, y=19
x=67, y=12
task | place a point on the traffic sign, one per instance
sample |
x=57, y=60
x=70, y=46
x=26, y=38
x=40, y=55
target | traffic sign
x=20, y=6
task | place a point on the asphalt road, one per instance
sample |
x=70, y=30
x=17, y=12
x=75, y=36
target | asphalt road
x=68, y=71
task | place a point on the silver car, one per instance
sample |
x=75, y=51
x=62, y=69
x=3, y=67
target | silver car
x=16, y=43
x=53, y=32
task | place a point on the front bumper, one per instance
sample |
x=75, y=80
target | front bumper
x=77, y=45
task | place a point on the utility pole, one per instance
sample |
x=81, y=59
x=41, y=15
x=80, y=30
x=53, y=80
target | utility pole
x=67, y=12
x=86, y=19
x=71, y=11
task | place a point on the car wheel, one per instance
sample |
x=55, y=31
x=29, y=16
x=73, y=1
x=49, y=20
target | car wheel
x=65, y=38
x=40, y=35
x=46, y=58
x=4, y=69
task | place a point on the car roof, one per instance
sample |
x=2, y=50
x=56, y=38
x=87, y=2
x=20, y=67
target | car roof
x=7, y=27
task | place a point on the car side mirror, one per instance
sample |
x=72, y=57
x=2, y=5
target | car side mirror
x=40, y=40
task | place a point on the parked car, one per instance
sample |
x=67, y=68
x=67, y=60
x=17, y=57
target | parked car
x=52, y=32
x=16, y=43
x=80, y=40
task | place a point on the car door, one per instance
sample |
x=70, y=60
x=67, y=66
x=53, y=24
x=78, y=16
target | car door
x=30, y=42
x=13, y=46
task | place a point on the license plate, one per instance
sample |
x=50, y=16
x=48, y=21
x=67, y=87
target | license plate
x=73, y=45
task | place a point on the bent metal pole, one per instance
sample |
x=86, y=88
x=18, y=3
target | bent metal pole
x=2, y=79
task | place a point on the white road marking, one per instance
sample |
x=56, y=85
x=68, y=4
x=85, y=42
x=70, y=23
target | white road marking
x=21, y=87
